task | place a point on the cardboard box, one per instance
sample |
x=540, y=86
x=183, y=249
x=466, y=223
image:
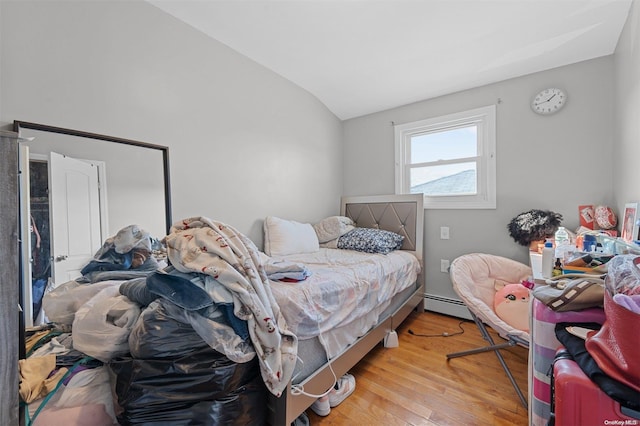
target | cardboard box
x=587, y=215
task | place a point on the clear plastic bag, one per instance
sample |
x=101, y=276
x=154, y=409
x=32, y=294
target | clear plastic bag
x=102, y=326
x=85, y=399
x=62, y=303
x=624, y=275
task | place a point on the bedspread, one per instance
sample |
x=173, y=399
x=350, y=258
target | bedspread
x=201, y=245
x=345, y=287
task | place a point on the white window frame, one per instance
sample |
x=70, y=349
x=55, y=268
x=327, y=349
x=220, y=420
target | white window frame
x=485, y=120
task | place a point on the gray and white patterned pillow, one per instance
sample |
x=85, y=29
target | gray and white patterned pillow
x=370, y=240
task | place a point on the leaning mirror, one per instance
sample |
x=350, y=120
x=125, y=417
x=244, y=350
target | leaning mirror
x=77, y=189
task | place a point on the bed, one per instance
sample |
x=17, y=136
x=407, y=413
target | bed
x=402, y=214
x=332, y=335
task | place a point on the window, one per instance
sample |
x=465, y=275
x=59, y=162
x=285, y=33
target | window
x=450, y=159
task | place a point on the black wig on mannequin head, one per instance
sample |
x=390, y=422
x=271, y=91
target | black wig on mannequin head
x=534, y=225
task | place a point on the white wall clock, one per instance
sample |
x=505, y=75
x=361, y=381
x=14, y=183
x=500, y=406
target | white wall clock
x=549, y=101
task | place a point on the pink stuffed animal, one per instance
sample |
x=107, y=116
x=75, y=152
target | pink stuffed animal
x=511, y=304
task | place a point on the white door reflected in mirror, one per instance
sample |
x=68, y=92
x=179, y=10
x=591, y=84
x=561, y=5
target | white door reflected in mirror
x=75, y=215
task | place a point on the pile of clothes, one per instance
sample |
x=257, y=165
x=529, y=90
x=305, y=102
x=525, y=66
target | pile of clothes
x=200, y=340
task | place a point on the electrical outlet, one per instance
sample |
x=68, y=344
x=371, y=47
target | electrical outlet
x=444, y=266
x=444, y=232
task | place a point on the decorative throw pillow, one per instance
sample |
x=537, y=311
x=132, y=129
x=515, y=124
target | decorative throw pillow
x=511, y=304
x=283, y=237
x=332, y=228
x=370, y=240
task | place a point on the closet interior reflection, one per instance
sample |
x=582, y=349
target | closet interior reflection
x=77, y=189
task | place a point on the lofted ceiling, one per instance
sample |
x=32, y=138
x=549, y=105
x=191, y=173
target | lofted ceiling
x=364, y=56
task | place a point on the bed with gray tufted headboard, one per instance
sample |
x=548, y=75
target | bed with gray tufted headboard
x=401, y=214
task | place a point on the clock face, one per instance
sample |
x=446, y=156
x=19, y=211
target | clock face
x=549, y=101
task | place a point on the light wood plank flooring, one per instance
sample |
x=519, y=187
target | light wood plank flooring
x=414, y=384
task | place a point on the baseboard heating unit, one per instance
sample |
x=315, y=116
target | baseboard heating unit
x=446, y=305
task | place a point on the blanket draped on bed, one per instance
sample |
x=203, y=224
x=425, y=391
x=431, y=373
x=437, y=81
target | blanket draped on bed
x=201, y=245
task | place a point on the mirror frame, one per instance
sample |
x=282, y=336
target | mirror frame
x=18, y=125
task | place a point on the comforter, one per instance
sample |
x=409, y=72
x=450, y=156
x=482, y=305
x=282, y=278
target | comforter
x=344, y=295
x=212, y=248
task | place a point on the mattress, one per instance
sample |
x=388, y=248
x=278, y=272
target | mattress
x=347, y=294
x=311, y=353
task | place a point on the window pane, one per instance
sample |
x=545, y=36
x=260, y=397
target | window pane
x=450, y=179
x=451, y=159
x=444, y=145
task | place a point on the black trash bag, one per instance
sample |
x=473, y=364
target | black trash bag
x=174, y=378
x=162, y=331
x=203, y=388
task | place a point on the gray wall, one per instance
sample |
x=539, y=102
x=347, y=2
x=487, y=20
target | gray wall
x=244, y=142
x=554, y=162
x=131, y=171
x=627, y=112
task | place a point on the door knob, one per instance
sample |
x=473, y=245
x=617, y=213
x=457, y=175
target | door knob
x=61, y=257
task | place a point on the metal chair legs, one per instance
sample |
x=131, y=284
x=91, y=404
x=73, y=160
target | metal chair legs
x=496, y=349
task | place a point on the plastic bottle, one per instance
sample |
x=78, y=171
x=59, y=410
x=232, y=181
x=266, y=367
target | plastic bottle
x=563, y=243
x=557, y=268
x=562, y=236
x=548, y=258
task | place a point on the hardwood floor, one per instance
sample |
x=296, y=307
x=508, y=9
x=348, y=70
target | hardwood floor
x=414, y=384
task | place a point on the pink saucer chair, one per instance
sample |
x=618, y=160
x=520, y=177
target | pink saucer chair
x=474, y=278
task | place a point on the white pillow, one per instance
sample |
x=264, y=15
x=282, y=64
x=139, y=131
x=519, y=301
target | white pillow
x=283, y=237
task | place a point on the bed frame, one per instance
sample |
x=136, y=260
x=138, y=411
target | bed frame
x=403, y=214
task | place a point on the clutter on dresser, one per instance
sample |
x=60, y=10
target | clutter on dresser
x=605, y=354
x=596, y=270
x=571, y=292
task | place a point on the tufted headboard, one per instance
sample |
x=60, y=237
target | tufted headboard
x=402, y=214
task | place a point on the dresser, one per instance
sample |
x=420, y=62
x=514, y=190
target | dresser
x=9, y=279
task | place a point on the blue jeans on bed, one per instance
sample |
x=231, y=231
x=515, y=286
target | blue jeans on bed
x=180, y=289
